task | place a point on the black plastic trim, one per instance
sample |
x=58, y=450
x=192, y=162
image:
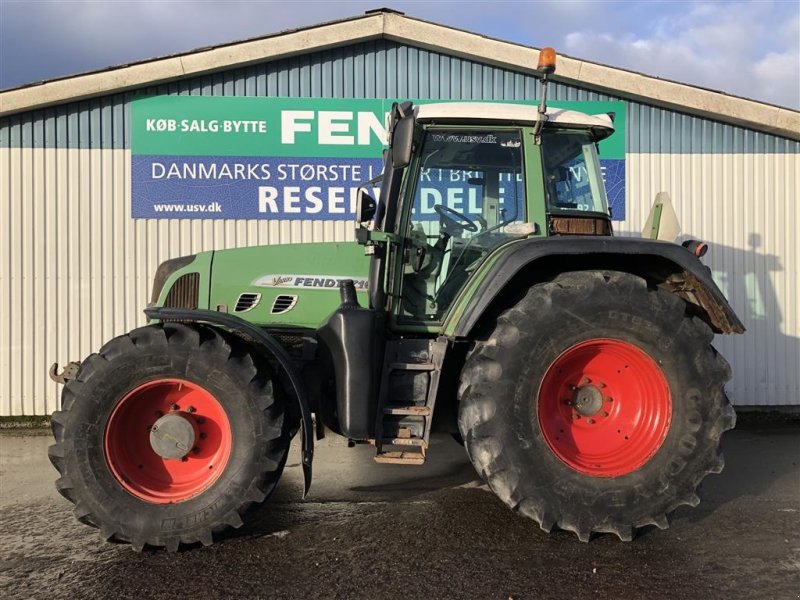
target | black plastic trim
x=237, y=325
x=353, y=336
x=527, y=251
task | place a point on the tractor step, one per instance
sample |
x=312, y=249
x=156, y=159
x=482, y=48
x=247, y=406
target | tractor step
x=399, y=441
x=411, y=367
x=410, y=378
x=420, y=411
x=401, y=458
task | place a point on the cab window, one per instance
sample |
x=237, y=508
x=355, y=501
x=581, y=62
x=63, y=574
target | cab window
x=469, y=189
x=573, y=178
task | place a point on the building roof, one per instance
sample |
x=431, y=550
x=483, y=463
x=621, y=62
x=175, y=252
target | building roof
x=397, y=27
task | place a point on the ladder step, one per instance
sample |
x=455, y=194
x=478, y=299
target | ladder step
x=401, y=458
x=420, y=411
x=411, y=367
x=399, y=441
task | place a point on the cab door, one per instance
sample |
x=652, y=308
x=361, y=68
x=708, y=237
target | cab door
x=466, y=193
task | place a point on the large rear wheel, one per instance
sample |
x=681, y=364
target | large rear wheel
x=168, y=435
x=596, y=404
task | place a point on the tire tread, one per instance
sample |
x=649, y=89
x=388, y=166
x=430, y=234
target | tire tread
x=226, y=348
x=483, y=377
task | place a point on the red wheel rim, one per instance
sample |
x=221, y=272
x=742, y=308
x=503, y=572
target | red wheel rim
x=135, y=464
x=604, y=407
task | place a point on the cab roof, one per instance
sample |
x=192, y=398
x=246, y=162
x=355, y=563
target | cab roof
x=501, y=112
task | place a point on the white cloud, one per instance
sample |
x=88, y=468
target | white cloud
x=740, y=47
x=743, y=48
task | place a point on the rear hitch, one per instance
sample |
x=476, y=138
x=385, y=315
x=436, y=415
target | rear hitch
x=69, y=372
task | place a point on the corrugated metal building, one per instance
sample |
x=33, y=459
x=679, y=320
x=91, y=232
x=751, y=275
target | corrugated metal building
x=76, y=269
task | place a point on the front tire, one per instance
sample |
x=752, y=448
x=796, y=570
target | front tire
x=168, y=435
x=596, y=405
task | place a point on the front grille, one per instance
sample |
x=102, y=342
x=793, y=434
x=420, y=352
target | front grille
x=247, y=301
x=184, y=292
x=165, y=269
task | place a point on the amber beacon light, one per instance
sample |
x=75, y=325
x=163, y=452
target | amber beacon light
x=546, y=66
x=547, y=61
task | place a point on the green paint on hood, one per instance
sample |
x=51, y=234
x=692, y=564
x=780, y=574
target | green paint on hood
x=307, y=274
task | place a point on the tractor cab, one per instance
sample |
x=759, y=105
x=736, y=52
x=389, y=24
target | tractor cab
x=462, y=179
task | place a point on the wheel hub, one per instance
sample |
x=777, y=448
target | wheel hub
x=604, y=407
x=172, y=436
x=167, y=440
x=587, y=400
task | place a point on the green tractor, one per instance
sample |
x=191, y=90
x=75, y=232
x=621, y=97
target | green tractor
x=576, y=367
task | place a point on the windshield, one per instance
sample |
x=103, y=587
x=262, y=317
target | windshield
x=470, y=188
x=573, y=178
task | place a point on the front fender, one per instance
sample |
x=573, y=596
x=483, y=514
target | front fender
x=527, y=262
x=241, y=327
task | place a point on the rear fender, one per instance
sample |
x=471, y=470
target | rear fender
x=527, y=262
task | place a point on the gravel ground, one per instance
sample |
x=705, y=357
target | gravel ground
x=371, y=530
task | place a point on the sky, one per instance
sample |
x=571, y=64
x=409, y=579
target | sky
x=746, y=48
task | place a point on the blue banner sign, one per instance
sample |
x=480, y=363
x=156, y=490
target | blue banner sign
x=290, y=158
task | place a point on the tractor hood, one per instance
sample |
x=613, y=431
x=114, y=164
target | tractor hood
x=295, y=285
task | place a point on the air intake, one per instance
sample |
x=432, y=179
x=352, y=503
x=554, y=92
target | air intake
x=247, y=301
x=283, y=304
x=184, y=291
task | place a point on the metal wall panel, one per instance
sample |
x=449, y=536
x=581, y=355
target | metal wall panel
x=745, y=205
x=75, y=269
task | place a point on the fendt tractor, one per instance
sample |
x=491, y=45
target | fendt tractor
x=576, y=367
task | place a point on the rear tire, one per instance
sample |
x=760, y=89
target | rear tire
x=559, y=451
x=103, y=452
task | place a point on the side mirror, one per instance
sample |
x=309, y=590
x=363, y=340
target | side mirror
x=365, y=210
x=402, y=141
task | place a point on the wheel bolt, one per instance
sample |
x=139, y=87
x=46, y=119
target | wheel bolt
x=185, y=459
x=605, y=414
x=572, y=387
x=576, y=416
x=590, y=421
x=196, y=450
x=609, y=399
x=174, y=407
x=191, y=409
x=204, y=436
x=200, y=420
